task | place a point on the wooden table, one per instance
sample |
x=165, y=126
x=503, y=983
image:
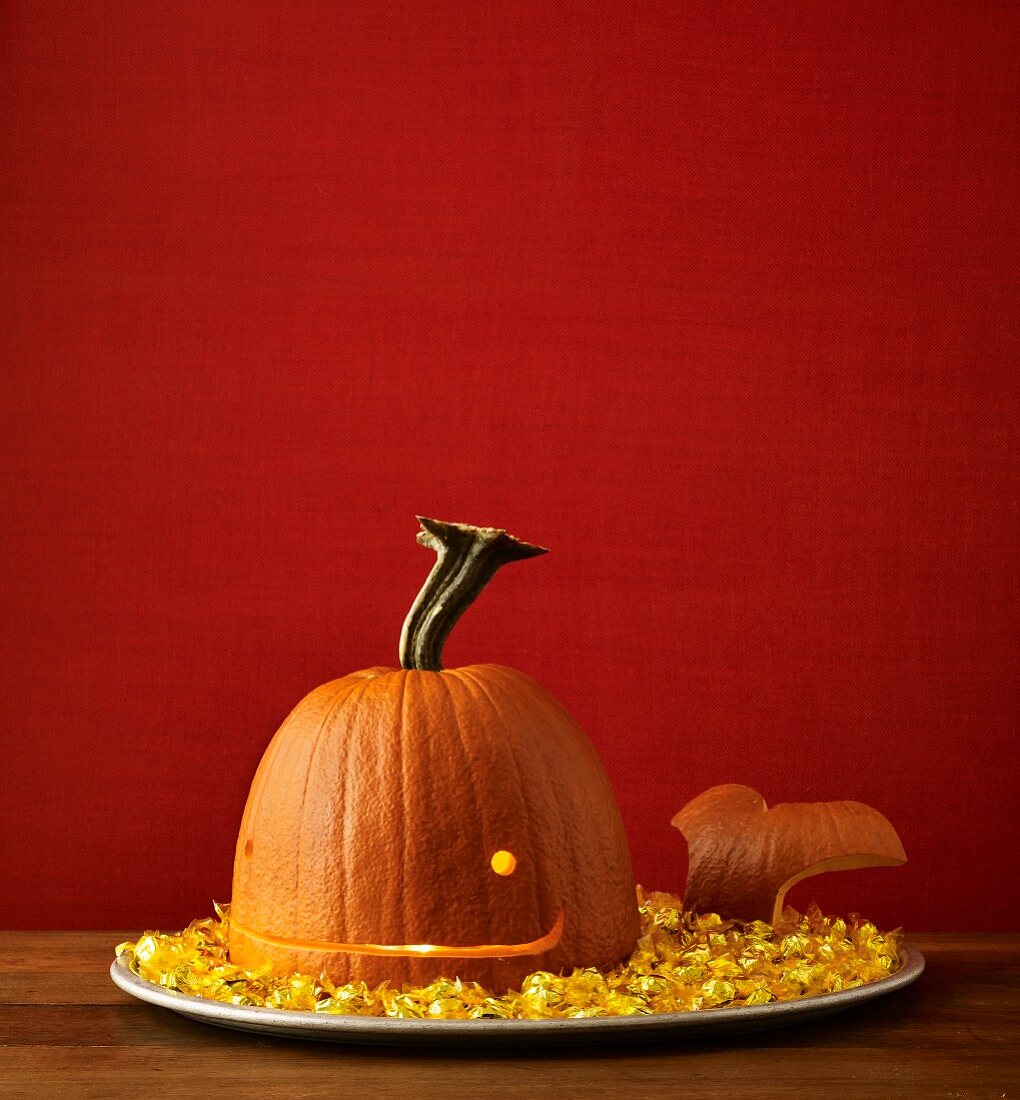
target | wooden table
x=65, y=1029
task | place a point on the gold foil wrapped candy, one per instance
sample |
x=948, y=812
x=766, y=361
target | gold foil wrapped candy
x=683, y=962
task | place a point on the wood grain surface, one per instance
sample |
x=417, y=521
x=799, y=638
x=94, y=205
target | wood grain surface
x=65, y=1029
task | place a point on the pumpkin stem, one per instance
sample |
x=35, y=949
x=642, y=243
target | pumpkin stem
x=468, y=557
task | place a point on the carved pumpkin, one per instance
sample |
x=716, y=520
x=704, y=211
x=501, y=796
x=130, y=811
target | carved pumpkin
x=416, y=823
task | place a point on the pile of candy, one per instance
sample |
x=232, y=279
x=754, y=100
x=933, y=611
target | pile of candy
x=683, y=962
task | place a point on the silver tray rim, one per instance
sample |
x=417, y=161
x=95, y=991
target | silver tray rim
x=331, y=1027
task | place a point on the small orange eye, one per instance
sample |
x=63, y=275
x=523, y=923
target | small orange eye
x=503, y=863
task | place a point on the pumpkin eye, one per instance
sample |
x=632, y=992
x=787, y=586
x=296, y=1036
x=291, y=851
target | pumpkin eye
x=503, y=862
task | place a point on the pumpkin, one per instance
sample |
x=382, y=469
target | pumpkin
x=415, y=823
x=743, y=857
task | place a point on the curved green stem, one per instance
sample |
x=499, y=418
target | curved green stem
x=468, y=557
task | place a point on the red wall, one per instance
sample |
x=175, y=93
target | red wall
x=716, y=300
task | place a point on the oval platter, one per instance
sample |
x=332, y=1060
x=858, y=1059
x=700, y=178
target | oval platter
x=386, y=1031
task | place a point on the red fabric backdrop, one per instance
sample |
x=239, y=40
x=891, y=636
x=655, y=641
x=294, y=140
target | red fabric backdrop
x=717, y=300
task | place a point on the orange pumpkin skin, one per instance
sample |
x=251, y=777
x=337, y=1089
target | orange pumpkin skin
x=375, y=813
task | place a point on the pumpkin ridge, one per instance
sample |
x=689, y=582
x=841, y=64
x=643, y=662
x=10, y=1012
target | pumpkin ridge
x=552, y=776
x=468, y=674
x=345, y=773
x=510, y=678
x=341, y=697
x=276, y=745
x=506, y=704
x=272, y=751
x=482, y=821
x=349, y=756
x=401, y=725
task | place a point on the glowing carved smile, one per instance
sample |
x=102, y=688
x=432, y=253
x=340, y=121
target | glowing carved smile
x=486, y=950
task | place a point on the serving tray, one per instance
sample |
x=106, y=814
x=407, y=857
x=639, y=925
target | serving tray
x=387, y=1031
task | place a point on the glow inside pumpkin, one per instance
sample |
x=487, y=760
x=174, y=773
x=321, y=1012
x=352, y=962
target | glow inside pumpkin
x=503, y=862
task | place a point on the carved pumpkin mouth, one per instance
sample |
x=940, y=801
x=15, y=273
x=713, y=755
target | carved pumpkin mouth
x=434, y=950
